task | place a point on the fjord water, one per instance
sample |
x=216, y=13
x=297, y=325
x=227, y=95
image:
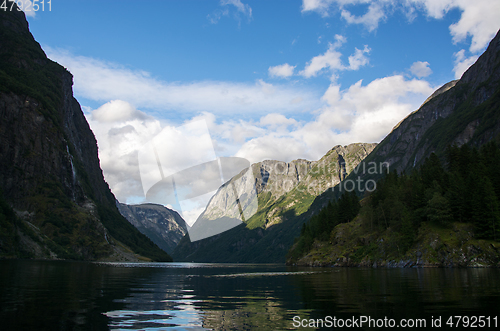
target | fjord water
x=62, y=295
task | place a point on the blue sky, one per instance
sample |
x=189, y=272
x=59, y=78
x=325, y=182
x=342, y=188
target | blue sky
x=271, y=79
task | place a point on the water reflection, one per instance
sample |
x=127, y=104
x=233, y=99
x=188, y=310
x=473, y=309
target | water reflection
x=70, y=295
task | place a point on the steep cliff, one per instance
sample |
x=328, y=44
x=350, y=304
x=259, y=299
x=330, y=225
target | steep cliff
x=49, y=166
x=284, y=192
x=165, y=227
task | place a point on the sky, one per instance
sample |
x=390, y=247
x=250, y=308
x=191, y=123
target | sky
x=277, y=79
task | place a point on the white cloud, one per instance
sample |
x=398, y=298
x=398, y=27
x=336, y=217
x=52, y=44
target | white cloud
x=370, y=20
x=118, y=111
x=359, y=59
x=479, y=18
x=103, y=81
x=123, y=133
x=240, y=7
x=420, y=69
x=462, y=63
x=360, y=113
x=283, y=71
x=215, y=17
x=357, y=114
x=277, y=119
x=121, y=130
x=331, y=60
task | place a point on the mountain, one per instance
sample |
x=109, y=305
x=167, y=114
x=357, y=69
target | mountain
x=165, y=227
x=284, y=193
x=439, y=206
x=463, y=111
x=54, y=202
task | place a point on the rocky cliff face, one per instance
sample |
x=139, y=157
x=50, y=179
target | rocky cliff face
x=282, y=192
x=165, y=227
x=49, y=166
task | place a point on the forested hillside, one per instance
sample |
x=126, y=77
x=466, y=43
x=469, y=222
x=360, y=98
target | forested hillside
x=454, y=201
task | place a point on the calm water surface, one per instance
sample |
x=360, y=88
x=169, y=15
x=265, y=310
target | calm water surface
x=60, y=295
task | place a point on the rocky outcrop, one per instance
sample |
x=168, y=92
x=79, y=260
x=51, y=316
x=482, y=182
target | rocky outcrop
x=165, y=227
x=49, y=165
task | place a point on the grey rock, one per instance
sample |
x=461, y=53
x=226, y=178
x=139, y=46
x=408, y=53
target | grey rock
x=165, y=227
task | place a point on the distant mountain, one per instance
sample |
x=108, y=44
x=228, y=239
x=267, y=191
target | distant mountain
x=165, y=227
x=54, y=202
x=444, y=211
x=285, y=192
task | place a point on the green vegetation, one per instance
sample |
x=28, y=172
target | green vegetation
x=69, y=230
x=321, y=225
x=460, y=197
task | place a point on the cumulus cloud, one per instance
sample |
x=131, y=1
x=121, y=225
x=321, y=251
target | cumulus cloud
x=118, y=111
x=420, y=69
x=479, y=19
x=359, y=59
x=361, y=113
x=103, y=81
x=121, y=130
x=130, y=165
x=370, y=20
x=462, y=63
x=331, y=60
x=283, y=71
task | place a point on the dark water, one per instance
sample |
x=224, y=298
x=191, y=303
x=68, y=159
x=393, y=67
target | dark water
x=48, y=295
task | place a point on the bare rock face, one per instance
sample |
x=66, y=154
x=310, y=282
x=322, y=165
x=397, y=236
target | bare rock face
x=165, y=227
x=267, y=196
